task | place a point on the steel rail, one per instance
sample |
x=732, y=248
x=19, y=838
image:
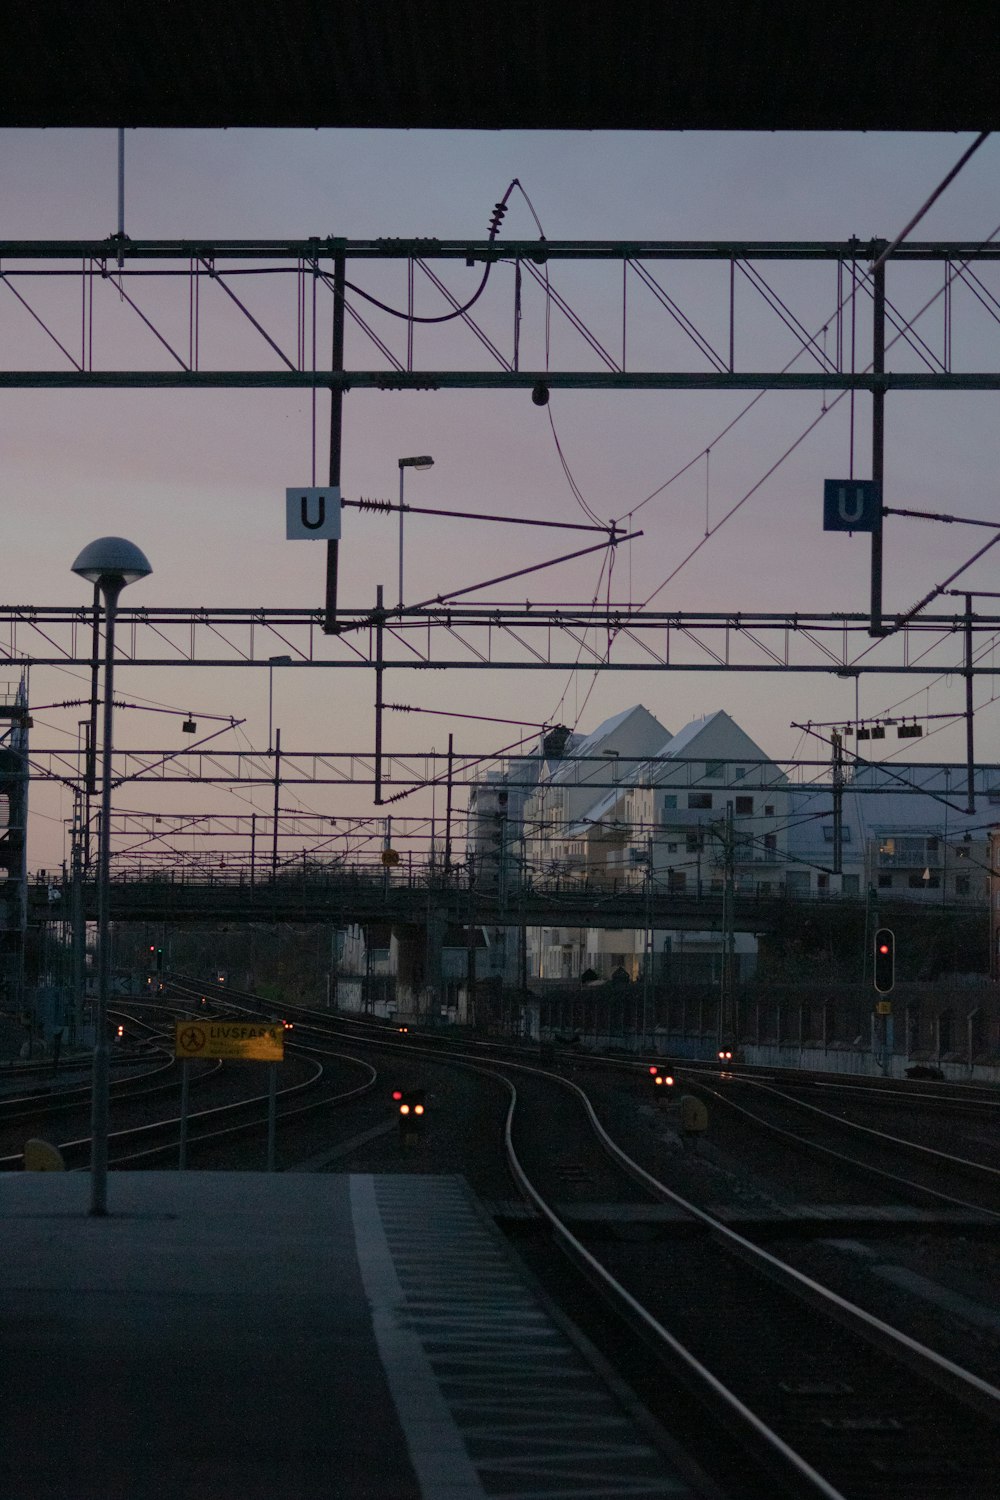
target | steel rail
x=138, y=1131
x=944, y=1157
x=960, y=1383
x=725, y=1400
x=868, y=1169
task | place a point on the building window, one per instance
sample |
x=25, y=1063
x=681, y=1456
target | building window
x=669, y=801
x=961, y=885
x=693, y=843
x=771, y=842
x=768, y=810
x=822, y=882
x=744, y=805
x=701, y=800
x=851, y=886
x=676, y=881
x=713, y=770
x=740, y=772
x=845, y=833
x=918, y=883
x=912, y=850
x=884, y=882
x=671, y=848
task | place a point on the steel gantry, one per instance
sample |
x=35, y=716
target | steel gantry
x=164, y=283
x=521, y=637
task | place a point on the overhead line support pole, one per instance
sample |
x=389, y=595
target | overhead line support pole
x=878, y=440
x=277, y=794
x=379, y=626
x=969, y=709
x=336, y=434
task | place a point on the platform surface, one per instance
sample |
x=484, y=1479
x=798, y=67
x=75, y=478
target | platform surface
x=289, y=1335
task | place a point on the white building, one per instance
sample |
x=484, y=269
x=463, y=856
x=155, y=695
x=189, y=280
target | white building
x=679, y=807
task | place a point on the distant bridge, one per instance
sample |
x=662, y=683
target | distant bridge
x=341, y=900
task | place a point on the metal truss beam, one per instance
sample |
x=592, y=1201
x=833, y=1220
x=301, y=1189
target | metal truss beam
x=55, y=313
x=496, y=380
x=508, y=638
x=132, y=251
x=419, y=768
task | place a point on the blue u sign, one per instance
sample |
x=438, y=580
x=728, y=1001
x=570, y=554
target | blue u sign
x=851, y=504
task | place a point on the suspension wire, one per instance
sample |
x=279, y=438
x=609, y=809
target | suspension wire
x=574, y=487
x=791, y=448
x=901, y=236
x=408, y=316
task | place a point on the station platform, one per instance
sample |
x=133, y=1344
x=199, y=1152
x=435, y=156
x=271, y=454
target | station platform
x=313, y=1336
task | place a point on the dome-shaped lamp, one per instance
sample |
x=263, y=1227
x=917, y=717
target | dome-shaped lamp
x=110, y=558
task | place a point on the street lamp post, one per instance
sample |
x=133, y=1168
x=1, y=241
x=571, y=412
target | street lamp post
x=110, y=563
x=422, y=461
x=272, y=662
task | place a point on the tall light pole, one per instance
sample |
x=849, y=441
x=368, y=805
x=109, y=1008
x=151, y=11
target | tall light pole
x=422, y=461
x=272, y=662
x=110, y=563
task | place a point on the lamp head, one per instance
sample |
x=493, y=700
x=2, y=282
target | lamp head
x=422, y=461
x=112, y=559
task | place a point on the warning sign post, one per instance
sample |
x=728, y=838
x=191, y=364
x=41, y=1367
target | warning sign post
x=253, y=1041
x=242, y=1041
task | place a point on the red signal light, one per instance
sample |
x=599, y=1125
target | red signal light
x=654, y=1070
x=397, y=1094
x=885, y=960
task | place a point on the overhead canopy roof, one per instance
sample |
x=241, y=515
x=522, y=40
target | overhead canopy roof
x=510, y=64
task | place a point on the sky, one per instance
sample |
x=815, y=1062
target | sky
x=197, y=480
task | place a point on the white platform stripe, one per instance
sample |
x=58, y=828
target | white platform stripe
x=437, y=1451
x=536, y=1421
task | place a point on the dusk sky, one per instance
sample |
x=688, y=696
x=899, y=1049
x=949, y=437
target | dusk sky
x=197, y=480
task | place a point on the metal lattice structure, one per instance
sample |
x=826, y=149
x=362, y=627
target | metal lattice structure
x=284, y=293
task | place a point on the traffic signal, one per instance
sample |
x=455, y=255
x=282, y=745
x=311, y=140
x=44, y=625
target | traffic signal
x=885, y=960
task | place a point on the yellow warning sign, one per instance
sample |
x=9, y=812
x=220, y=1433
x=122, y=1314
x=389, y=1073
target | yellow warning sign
x=254, y=1041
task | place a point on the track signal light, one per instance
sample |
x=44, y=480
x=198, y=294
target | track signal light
x=411, y=1108
x=885, y=960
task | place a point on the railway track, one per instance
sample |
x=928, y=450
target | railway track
x=829, y=1398
x=816, y=1394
